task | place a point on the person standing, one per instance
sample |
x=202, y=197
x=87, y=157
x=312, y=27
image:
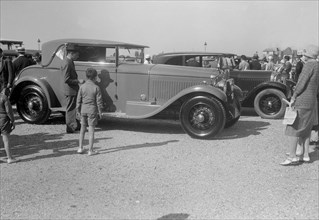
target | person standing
x=304, y=100
x=254, y=64
x=147, y=59
x=299, y=66
x=20, y=62
x=270, y=65
x=243, y=65
x=6, y=122
x=89, y=106
x=71, y=87
x=6, y=71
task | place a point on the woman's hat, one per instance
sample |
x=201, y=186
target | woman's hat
x=311, y=51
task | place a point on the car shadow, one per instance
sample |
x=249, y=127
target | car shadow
x=135, y=146
x=28, y=145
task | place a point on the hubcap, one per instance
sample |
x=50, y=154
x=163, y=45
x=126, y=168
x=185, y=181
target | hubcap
x=270, y=105
x=201, y=117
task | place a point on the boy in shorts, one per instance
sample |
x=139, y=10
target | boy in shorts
x=89, y=105
x=6, y=121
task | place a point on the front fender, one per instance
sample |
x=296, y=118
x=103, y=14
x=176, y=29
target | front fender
x=29, y=80
x=149, y=109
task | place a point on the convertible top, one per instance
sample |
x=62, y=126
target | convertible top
x=88, y=42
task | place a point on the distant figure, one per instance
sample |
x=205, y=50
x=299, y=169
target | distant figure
x=6, y=122
x=254, y=64
x=298, y=70
x=20, y=62
x=6, y=71
x=288, y=65
x=36, y=57
x=243, y=65
x=147, y=59
x=89, y=106
x=270, y=65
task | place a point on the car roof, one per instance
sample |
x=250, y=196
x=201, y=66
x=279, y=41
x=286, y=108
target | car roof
x=95, y=42
x=195, y=53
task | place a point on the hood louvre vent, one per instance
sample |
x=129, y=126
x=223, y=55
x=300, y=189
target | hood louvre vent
x=164, y=90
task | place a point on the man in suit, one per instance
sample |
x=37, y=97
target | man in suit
x=6, y=72
x=71, y=87
x=20, y=62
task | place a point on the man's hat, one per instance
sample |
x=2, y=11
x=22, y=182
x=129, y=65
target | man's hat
x=72, y=47
x=21, y=50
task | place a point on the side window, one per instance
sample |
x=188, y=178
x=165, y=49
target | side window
x=193, y=61
x=175, y=61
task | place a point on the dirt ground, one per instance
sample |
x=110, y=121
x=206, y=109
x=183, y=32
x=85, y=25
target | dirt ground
x=153, y=170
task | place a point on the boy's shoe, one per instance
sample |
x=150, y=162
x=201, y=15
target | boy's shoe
x=80, y=151
x=290, y=161
x=90, y=153
x=12, y=160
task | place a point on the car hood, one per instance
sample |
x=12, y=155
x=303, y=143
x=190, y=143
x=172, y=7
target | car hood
x=169, y=70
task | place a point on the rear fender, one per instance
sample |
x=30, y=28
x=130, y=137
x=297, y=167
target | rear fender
x=44, y=85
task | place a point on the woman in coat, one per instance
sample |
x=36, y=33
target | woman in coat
x=304, y=100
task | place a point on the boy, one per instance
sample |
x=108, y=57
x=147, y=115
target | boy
x=89, y=105
x=6, y=121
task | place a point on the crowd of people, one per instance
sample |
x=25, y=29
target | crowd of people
x=85, y=98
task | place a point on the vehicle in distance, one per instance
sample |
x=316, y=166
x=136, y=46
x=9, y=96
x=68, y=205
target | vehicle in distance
x=262, y=90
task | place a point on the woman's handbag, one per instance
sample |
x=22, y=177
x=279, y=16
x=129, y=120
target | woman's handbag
x=290, y=114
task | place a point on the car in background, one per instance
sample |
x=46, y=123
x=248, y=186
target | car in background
x=9, y=49
x=262, y=90
x=204, y=101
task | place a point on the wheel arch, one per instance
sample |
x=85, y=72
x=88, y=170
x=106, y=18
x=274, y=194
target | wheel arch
x=43, y=84
x=248, y=101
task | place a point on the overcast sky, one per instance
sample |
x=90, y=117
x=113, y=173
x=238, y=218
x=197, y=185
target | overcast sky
x=241, y=27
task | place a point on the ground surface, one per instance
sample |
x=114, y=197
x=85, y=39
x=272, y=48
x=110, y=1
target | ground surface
x=153, y=170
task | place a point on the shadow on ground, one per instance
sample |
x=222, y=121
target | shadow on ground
x=23, y=145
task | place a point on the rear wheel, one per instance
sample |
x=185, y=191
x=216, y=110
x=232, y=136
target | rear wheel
x=268, y=104
x=32, y=105
x=202, y=117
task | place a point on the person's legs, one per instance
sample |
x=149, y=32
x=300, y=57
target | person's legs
x=6, y=143
x=5, y=139
x=81, y=138
x=292, y=152
x=70, y=114
x=91, y=137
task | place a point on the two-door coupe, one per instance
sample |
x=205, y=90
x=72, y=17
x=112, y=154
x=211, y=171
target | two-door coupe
x=204, y=101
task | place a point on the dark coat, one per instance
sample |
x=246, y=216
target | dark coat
x=20, y=63
x=255, y=65
x=71, y=82
x=6, y=72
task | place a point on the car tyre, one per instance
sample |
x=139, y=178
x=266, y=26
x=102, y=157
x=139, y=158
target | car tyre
x=269, y=104
x=202, y=117
x=32, y=105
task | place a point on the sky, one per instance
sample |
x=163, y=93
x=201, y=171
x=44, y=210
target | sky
x=241, y=27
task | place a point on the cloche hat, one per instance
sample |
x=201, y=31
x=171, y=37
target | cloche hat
x=311, y=51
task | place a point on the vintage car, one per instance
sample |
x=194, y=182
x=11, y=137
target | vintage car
x=204, y=101
x=9, y=49
x=263, y=90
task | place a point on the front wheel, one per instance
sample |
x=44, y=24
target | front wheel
x=32, y=105
x=202, y=117
x=269, y=104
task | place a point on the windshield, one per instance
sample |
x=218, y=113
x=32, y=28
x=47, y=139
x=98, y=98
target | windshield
x=131, y=55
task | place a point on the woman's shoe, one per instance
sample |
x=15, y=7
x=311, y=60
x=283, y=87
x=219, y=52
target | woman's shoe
x=93, y=152
x=290, y=161
x=80, y=151
x=306, y=159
